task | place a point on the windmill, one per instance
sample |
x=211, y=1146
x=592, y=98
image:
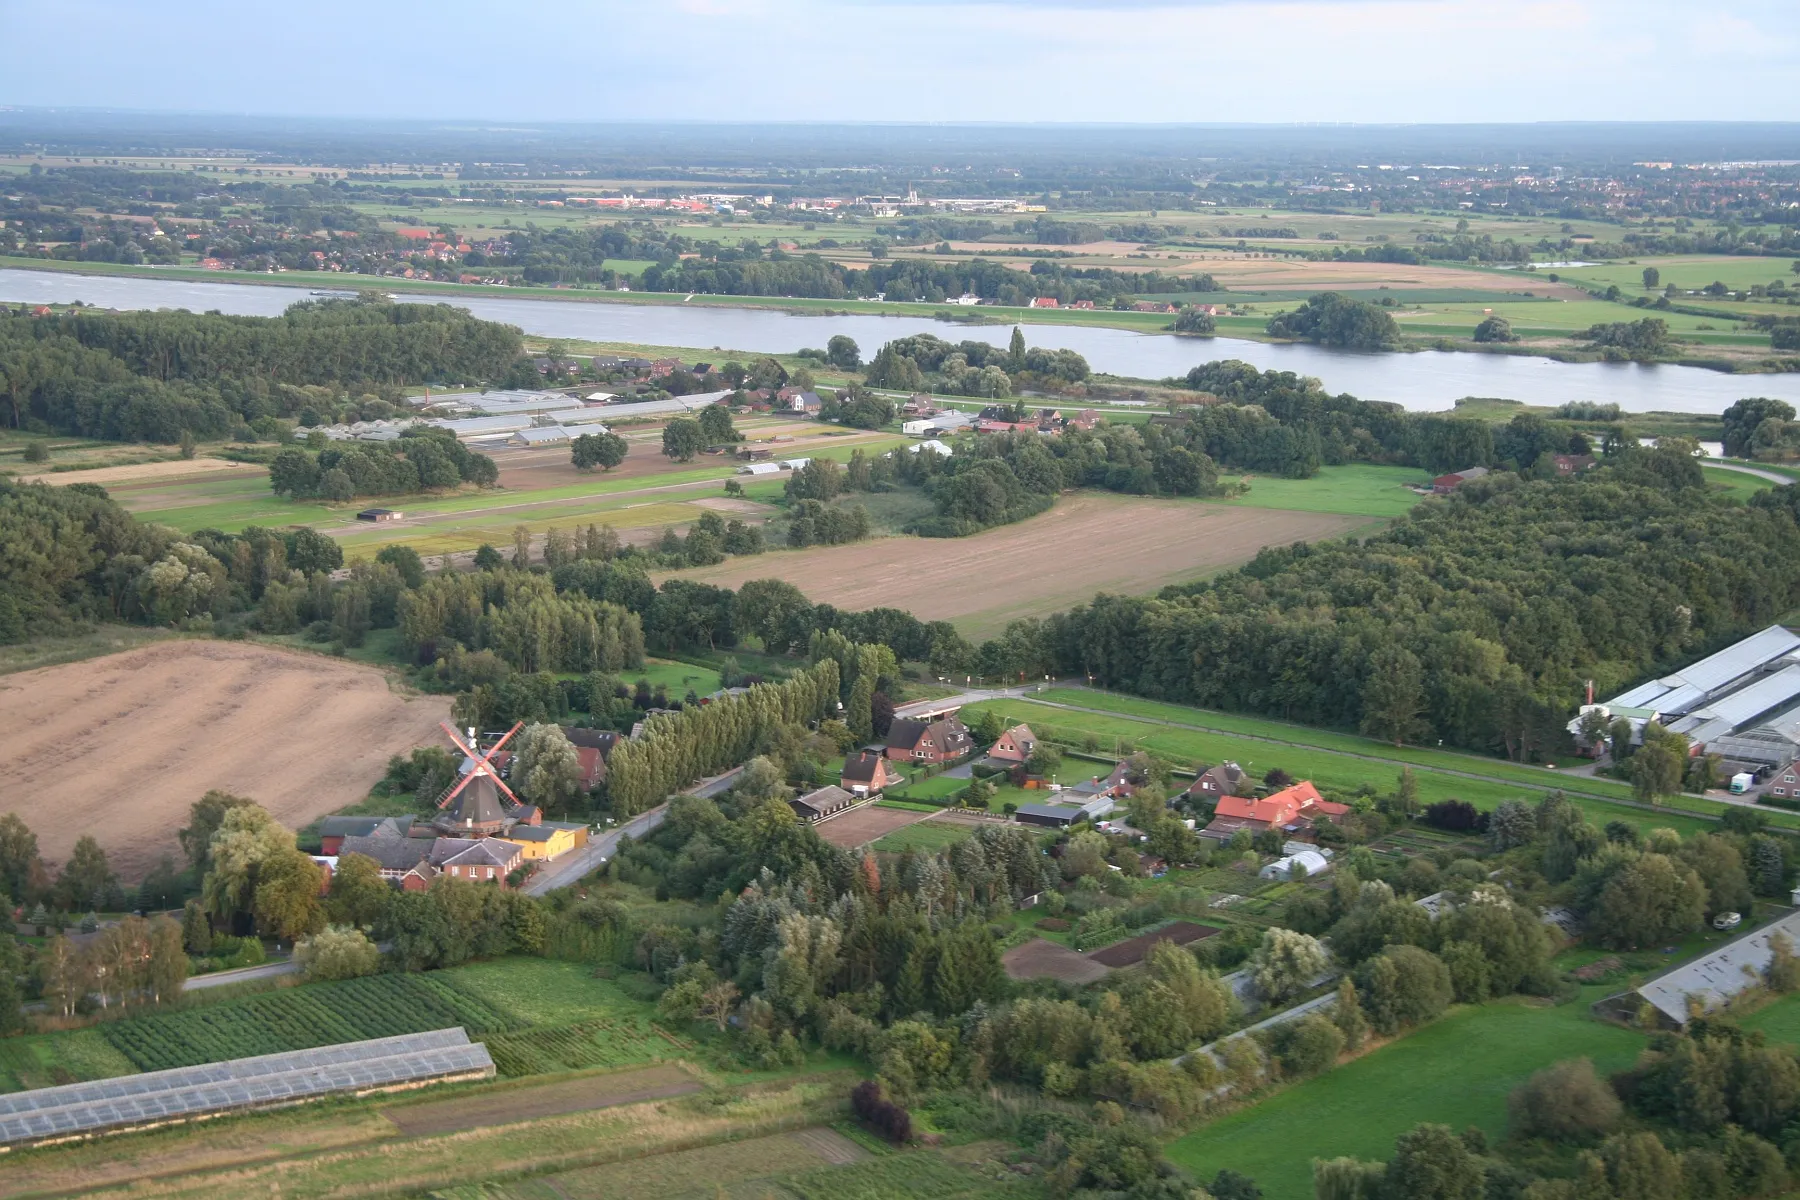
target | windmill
x=473, y=807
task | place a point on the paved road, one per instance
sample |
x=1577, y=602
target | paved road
x=575, y=865
x=1731, y=464
x=286, y=966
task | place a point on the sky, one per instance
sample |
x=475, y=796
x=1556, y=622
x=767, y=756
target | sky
x=912, y=60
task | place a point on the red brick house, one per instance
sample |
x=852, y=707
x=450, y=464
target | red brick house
x=1293, y=810
x=943, y=740
x=866, y=772
x=1226, y=779
x=490, y=860
x=1015, y=745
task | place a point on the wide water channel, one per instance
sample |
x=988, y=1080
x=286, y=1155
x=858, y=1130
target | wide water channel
x=1421, y=381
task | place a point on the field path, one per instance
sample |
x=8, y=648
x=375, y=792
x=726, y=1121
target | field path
x=121, y=746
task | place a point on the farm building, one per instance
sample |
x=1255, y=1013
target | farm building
x=821, y=802
x=333, y=830
x=1443, y=485
x=1742, y=703
x=380, y=514
x=943, y=740
x=1293, y=810
x=1054, y=816
x=866, y=772
x=1705, y=984
x=548, y=840
x=761, y=468
x=543, y=435
x=933, y=445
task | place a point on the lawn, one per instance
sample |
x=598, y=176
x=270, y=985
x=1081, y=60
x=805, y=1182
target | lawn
x=1357, y=490
x=1456, y=1072
x=678, y=677
x=1331, y=770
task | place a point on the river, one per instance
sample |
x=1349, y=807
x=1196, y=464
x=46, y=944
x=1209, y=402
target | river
x=1423, y=381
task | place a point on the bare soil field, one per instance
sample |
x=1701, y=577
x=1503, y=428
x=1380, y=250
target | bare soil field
x=866, y=825
x=545, y=1100
x=1132, y=950
x=1043, y=959
x=120, y=746
x=1088, y=543
x=155, y=472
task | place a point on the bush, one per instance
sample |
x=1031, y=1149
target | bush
x=871, y=1106
x=1564, y=1102
x=337, y=953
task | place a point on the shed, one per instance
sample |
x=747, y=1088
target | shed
x=380, y=514
x=1055, y=816
x=821, y=802
x=762, y=468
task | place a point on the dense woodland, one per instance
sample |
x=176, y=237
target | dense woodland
x=152, y=376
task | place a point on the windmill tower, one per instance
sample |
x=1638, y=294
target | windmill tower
x=480, y=804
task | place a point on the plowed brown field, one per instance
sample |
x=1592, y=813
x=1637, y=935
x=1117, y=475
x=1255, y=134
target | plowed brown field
x=120, y=746
x=1086, y=544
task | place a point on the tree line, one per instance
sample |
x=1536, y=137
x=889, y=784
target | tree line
x=150, y=376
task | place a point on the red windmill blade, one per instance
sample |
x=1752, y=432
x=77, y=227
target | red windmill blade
x=482, y=766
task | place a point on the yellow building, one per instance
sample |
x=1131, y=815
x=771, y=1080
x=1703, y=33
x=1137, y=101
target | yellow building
x=546, y=841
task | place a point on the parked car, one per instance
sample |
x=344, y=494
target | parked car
x=1727, y=920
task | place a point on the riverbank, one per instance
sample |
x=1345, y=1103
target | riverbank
x=1427, y=381
x=1726, y=352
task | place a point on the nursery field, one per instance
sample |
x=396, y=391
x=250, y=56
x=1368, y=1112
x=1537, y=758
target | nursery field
x=1456, y=1072
x=576, y=1021
x=300, y=1018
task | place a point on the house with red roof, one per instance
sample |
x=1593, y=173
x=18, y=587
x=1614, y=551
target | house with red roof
x=1293, y=810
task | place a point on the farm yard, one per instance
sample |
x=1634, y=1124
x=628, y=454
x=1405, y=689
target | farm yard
x=866, y=824
x=121, y=746
x=1087, y=543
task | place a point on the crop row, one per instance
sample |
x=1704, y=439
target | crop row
x=301, y=1018
x=599, y=1043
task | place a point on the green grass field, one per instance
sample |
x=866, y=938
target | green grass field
x=1456, y=1072
x=1356, y=490
x=678, y=677
x=1735, y=483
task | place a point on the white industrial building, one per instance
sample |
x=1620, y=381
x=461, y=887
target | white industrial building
x=1706, y=984
x=542, y=435
x=1742, y=703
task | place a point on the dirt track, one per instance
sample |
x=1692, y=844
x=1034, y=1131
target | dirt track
x=1086, y=544
x=546, y=1100
x=120, y=746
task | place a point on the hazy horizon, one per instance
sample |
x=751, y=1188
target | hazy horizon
x=999, y=62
